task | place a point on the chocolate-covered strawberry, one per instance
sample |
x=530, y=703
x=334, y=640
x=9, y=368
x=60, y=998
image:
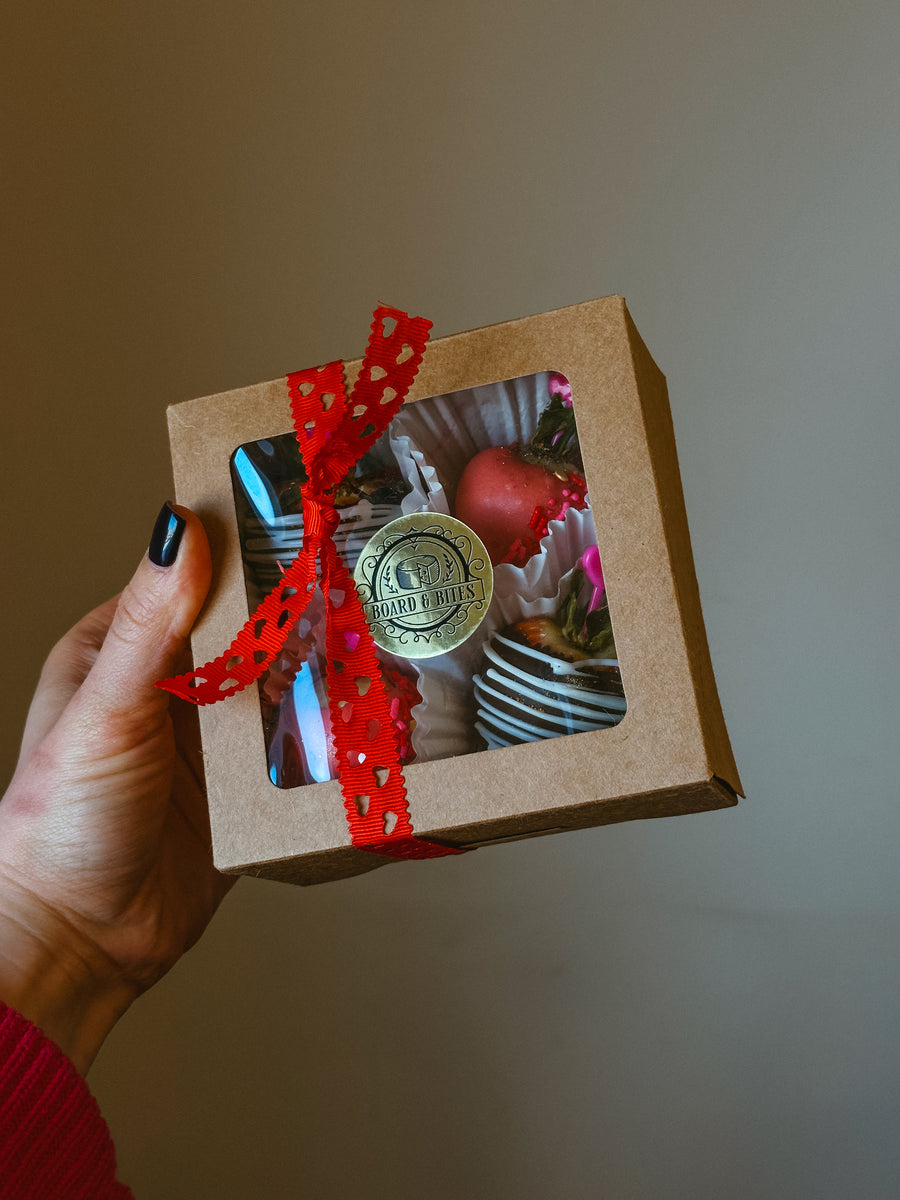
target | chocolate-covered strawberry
x=378, y=484
x=296, y=719
x=509, y=494
x=555, y=674
x=580, y=630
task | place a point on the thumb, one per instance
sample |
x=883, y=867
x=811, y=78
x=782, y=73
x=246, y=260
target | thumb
x=149, y=631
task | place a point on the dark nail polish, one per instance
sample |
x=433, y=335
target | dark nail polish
x=166, y=536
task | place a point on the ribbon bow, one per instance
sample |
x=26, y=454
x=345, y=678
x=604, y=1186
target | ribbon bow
x=333, y=433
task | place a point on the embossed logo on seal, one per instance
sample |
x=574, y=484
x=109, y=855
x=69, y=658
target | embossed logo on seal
x=425, y=582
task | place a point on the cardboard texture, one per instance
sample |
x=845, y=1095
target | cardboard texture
x=669, y=755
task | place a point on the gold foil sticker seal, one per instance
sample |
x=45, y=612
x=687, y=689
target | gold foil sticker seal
x=425, y=582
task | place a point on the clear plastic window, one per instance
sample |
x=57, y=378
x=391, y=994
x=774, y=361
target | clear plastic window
x=505, y=460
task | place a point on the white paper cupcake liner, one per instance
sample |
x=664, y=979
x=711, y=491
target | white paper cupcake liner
x=440, y=435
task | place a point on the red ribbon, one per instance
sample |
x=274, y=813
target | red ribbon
x=333, y=433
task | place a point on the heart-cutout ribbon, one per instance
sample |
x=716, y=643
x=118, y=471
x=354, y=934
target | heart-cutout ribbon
x=333, y=432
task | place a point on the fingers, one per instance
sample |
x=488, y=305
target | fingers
x=149, y=629
x=64, y=671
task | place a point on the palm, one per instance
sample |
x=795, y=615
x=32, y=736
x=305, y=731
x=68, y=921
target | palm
x=121, y=846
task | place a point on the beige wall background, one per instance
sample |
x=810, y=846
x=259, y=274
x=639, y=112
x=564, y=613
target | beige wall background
x=197, y=196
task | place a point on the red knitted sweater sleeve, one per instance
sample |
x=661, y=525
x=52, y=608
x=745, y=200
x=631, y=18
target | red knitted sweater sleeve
x=53, y=1140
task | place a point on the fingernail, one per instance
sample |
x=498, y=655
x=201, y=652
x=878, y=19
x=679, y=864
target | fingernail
x=166, y=536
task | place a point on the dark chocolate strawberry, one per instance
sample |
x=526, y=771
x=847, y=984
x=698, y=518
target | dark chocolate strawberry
x=549, y=675
x=581, y=628
x=296, y=719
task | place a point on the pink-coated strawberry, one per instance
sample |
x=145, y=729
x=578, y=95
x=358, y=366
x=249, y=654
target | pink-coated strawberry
x=509, y=494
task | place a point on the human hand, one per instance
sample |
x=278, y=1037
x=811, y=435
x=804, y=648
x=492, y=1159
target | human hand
x=106, y=873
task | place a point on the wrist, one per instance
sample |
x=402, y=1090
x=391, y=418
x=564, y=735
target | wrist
x=55, y=977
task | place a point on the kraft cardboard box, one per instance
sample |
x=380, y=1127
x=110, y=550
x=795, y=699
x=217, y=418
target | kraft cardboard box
x=506, y=746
